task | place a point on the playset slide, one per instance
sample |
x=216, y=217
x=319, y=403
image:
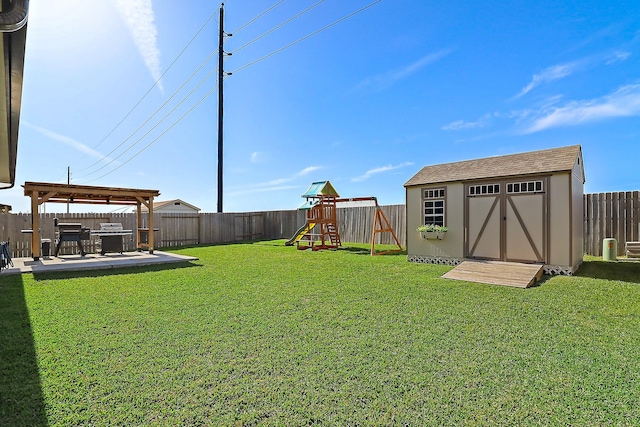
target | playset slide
x=301, y=232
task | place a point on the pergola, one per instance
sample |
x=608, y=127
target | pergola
x=42, y=192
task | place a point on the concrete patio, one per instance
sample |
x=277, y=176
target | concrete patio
x=93, y=262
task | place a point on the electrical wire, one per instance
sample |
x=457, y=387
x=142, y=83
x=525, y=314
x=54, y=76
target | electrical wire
x=157, y=110
x=120, y=210
x=214, y=71
x=216, y=87
x=251, y=21
x=306, y=37
x=278, y=26
x=152, y=86
x=161, y=135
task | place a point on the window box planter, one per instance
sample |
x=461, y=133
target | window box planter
x=432, y=235
x=432, y=232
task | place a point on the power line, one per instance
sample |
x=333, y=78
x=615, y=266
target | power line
x=306, y=37
x=278, y=26
x=251, y=21
x=159, y=136
x=152, y=86
x=157, y=110
x=216, y=87
x=157, y=124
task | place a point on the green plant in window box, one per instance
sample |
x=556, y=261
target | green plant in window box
x=432, y=231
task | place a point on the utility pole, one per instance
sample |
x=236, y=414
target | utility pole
x=221, y=75
x=68, y=183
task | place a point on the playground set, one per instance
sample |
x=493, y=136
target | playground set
x=320, y=230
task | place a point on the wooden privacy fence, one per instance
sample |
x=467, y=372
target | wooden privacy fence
x=355, y=225
x=611, y=215
x=606, y=215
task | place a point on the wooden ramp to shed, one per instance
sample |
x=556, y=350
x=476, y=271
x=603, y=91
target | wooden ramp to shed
x=497, y=273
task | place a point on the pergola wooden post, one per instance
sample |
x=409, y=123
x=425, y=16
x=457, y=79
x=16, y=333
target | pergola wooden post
x=151, y=229
x=150, y=233
x=139, y=224
x=42, y=192
x=35, y=226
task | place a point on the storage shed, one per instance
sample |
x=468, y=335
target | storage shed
x=523, y=207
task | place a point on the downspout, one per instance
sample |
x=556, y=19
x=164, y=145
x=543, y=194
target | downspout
x=13, y=32
x=15, y=17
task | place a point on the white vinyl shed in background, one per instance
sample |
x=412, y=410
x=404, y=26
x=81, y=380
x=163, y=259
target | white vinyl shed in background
x=523, y=207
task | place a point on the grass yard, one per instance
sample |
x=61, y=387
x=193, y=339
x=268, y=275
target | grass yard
x=262, y=334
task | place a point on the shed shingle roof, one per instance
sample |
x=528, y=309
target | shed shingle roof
x=534, y=162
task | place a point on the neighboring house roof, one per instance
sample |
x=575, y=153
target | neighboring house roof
x=166, y=203
x=13, y=30
x=534, y=162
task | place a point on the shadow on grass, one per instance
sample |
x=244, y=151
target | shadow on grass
x=113, y=271
x=21, y=397
x=367, y=251
x=621, y=271
x=260, y=242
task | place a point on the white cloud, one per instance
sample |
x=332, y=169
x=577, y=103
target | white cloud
x=308, y=170
x=617, y=56
x=461, y=124
x=77, y=145
x=386, y=80
x=560, y=71
x=262, y=190
x=255, y=157
x=548, y=75
x=274, y=182
x=624, y=102
x=140, y=19
x=371, y=172
x=277, y=184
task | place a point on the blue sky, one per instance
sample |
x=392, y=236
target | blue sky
x=118, y=91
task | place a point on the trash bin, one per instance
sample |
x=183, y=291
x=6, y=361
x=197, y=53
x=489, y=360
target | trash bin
x=609, y=249
x=46, y=247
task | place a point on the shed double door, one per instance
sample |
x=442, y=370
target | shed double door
x=507, y=220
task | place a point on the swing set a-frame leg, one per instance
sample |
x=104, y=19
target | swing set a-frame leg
x=381, y=225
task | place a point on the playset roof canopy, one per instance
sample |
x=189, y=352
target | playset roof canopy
x=321, y=189
x=535, y=162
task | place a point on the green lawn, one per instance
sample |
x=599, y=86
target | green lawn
x=263, y=334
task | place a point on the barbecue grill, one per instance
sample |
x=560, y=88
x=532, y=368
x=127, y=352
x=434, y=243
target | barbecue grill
x=72, y=232
x=111, y=236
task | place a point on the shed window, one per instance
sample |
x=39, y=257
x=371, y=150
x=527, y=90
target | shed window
x=525, y=187
x=484, y=189
x=434, y=193
x=434, y=206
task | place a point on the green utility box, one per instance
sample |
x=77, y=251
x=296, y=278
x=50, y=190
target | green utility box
x=609, y=249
